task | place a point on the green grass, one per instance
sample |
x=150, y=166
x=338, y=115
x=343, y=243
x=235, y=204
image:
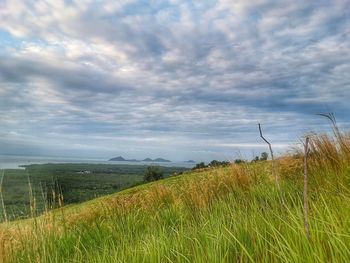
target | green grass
x=231, y=214
x=75, y=186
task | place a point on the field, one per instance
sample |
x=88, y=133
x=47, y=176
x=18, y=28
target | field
x=228, y=214
x=56, y=184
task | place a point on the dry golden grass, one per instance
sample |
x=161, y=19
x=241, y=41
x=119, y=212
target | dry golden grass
x=290, y=167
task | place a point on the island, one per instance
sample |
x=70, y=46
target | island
x=121, y=159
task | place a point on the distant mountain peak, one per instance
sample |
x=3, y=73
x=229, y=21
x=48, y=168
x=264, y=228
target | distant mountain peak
x=118, y=159
x=121, y=159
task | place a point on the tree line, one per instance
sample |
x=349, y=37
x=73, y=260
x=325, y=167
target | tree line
x=154, y=173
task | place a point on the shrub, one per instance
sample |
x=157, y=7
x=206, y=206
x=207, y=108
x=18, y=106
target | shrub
x=238, y=161
x=199, y=166
x=153, y=173
x=215, y=163
x=264, y=156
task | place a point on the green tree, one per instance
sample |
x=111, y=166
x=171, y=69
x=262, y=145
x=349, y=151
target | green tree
x=200, y=165
x=153, y=173
x=215, y=163
x=256, y=159
x=264, y=156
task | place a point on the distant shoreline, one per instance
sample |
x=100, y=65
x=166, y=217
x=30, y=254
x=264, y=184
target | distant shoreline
x=18, y=162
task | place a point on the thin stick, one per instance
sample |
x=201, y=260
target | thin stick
x=272, y=158
x=31, y=198
x=306, y=204
x=2, y=197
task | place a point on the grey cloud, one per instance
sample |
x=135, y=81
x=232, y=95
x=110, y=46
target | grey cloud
x=211, y=71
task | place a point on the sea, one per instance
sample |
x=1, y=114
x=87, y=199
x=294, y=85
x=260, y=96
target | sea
x=16, y=161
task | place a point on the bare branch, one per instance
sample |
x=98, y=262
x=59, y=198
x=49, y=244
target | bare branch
x=272, y=157
x=261, y=135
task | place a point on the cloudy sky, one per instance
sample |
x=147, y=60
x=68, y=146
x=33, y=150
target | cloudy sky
x=177, y=79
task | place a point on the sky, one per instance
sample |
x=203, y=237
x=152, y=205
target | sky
x=177, y=79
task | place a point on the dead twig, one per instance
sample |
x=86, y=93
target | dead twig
x=272, y=157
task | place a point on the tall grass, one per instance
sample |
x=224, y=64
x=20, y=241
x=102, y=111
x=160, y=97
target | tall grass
x=230, y=214
x=4, y=213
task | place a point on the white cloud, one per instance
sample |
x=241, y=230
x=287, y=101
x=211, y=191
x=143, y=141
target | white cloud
x=201, y=71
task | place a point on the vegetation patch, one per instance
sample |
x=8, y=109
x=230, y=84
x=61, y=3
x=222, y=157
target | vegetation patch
x=234, y=213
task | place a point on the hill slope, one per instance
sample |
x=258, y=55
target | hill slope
x=231, y=214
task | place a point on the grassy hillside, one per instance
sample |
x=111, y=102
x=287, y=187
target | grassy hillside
x=231, y=214
x=76, y=183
